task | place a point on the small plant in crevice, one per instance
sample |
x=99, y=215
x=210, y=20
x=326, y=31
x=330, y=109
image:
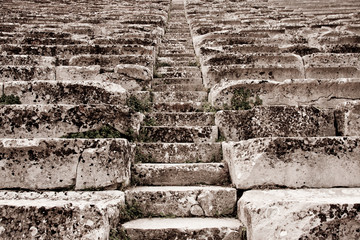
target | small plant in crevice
x=162, y=64
x=118, y=234
x=207, y=107
x=221, y=138
x=150, y=121
x=138, y=105
x=8, y=99
x=242, y=100
x=106, y=131
x=243, y=235
x=141, y=157
x=130, y=211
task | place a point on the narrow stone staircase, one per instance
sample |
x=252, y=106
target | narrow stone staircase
x=181, y=180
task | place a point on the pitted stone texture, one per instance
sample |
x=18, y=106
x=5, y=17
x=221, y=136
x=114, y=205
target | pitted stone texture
x=26, y=73
x=182, y=119
x=28, y=121
x=67, y=92
x=332, y=66
x=179, y=152
x=322, y=93
x=180, y=174
x=294, y=162
x=79, y=73
x=184, y=228
x=348, y=118
x=135, y=72
x=183, y=201
x=59, y=215
x=183, y=134
x=43, y=61
x=65, y=163
x=301, y=214
x=276, y=121
x=180, y=96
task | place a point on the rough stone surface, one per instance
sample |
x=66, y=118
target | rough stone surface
x=294, y=162
x=185, y=134
x=136, y=72
x=179, y=152
x=348, y=118
x=78, y=73
x=276, y=121
x=184, y=228
x=182, y=119
x=180, y=201
x=321, y=93
x=59, y=215
x=67, y=92
x=65, y=163
x=180, y=174
x=301, y=214
x=28, y=121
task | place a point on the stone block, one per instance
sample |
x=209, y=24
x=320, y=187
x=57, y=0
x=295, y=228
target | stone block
x=26, y=73
x=347, y=118
x=275, y=121
x=59, y=215
x=301, y=214
x=65, y=163
x=183, y=201
x=294, y=162
x=326, y=93
x=42, y=121
x=79, y=73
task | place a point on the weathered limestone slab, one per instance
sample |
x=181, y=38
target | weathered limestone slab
x=184, y=228
x=65, y=163
x=183, y=96
x=108, y=60
x=182, y=134
x=179, y=72
x=183, y=201
x=27, y=60
x=301, y=214
x=348, y=118
x=276, y=121
x=323, y=93
x=294, y=162
x=215, y=74
x=67, y=92
x=181, y=119
x=181, y=174
x=79, y=73
x=328, y=66
x=178, y=152
x=32, y=121
x=59, y=215
x=178, y=106
x=26, y=73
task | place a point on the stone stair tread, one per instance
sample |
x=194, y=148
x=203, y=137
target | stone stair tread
x=180, y=96
x=185, y=134
x=318, y=208
x=182, y=119
x=178, y=106
x=180, y=174
x=179, y=152
x=183, y=201
x=170, y=80
x=178, y=87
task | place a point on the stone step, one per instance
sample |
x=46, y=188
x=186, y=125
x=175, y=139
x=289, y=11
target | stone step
x=72, y=215
x=276, y=121
x=179, y=61
x=180, y=119
x=180, y=96
x=26, y=73
x=66, y=92
x=183, y=201
x=40, y=61
x=71, y=50
x=316, y=162
x=58, y=164
x=177, y=80
x=184, y=228
x=214, y=74
x=178, y=107
x=166, y=51
x=178, y=152
x=274, y=214
x=179, y=55
x=43, y=121
x=178, y=87
x=180, y=174
x=182, y=134
x=179, y=72
x=109, y=60
x=327, y=93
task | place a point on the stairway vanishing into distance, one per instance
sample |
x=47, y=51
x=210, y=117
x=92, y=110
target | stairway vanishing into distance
x=180, y=119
